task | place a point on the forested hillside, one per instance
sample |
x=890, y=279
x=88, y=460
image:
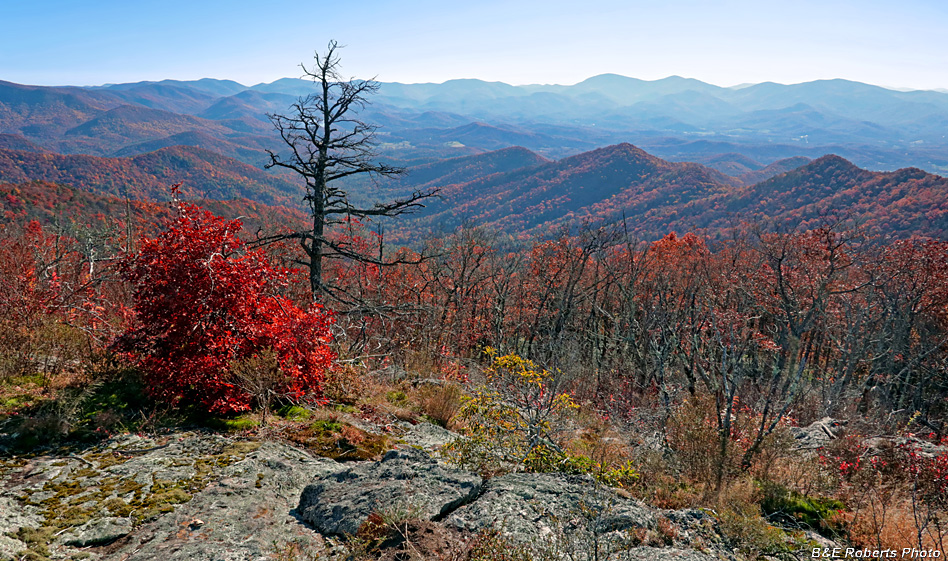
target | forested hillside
x=57, y=206
x=655, y=197
x=202, y=173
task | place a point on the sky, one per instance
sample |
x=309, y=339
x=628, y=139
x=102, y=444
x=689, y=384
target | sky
x=723, y=42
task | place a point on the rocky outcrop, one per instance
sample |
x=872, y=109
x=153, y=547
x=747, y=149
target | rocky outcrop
x=205, y=496
x=427, y=436
x=818, y=433
x=187, y=496
x=245, y=513
x=527, y=506
x=568, y=516
x=13, y=517
x=407, y=484
x=101, y=531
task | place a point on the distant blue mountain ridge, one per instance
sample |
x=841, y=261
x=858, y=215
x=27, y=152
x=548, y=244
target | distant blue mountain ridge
x=676, y=118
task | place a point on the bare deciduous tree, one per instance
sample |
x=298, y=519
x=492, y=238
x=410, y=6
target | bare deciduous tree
x=328, y=142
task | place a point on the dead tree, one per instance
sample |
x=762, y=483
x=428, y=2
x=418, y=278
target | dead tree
x=328, y=142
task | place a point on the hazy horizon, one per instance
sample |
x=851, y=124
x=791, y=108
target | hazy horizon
x=723, y=43
x=735, y=86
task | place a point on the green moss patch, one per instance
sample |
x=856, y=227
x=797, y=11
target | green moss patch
x=793, y=510
x=237, y=424
x=37, y=542
x=294, y=413
x=341, y=441
x=326, y=426
x=397, y=397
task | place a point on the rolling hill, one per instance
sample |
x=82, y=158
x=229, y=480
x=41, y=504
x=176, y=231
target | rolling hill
x=518, y=192
x=204, y=174
x=656, y=196
x=60, y=206
x=597, y=186
x=469, y=168
x=901, y=203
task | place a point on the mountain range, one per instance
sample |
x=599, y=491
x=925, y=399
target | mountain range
x=521, y=159
x=675, y=118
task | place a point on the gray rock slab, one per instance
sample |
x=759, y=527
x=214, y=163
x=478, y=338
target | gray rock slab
x=428, y=436
x=663, y=554
x=98, y=532
x=405, y=483
x=528, y=507
x=245, y=514
x=14, y=516
x=817, y=433
x=240, y=503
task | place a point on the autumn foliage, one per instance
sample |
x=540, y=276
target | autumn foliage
x=204, y=303
x=798, y=324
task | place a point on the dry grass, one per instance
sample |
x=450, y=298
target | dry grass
x=345, y=383
x=439, y=402
x=894, y=522
x=800, y=472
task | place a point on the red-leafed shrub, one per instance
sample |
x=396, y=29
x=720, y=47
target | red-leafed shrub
x=204, y=303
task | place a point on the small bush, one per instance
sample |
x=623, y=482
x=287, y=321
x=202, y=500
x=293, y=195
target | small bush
x=345, y=384
x=204, y=303
x=107, y=396
x=694, y=435
x=513, y=421
x=741, y=522
x=262, y=377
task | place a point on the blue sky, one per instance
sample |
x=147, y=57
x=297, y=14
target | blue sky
x=722, y=42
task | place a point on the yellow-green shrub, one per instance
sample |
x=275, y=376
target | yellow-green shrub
x=512, y=422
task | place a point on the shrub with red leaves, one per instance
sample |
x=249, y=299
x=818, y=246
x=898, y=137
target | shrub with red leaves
x=203, y=302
